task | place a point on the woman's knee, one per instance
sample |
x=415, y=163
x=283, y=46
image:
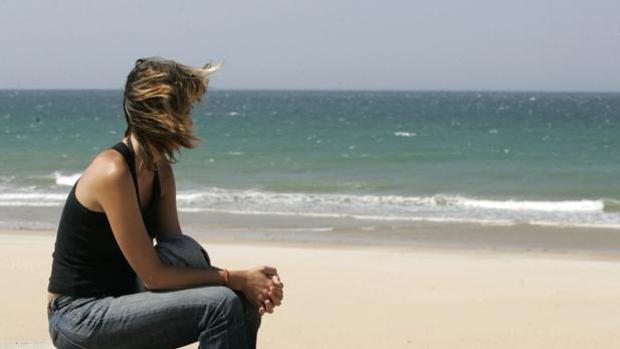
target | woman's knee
x=225, y=303
x=252, y=317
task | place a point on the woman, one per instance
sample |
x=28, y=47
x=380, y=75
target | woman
x=125, y=198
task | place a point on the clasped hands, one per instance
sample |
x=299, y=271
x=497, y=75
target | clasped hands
x=262, y=286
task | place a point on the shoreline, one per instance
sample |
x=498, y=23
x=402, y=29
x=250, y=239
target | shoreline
x=445, y=250
x=597, y=243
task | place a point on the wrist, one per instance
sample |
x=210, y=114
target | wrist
x=236, y=279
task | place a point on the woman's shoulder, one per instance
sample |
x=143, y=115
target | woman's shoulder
x=104, y=173
x=106, y=168
x=108, y=165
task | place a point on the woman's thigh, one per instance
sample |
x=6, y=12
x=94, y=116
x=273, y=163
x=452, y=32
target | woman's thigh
x=154, y=319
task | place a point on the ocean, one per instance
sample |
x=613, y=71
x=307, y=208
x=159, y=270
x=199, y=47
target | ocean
x=488, y=158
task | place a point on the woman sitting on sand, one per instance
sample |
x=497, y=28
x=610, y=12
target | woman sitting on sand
x=125, y=198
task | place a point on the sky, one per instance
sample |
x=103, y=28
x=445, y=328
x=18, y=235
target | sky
x=534, y=45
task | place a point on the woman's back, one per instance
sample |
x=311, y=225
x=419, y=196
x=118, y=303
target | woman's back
x=87, y=260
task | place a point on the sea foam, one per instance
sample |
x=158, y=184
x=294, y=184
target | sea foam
x=547, y=206
x=66, y=180
x=215, y=196
x=405, y=134
x=32, y=199
x=433, y=208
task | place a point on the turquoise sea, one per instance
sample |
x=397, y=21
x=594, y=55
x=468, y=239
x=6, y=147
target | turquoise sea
x=487, y=157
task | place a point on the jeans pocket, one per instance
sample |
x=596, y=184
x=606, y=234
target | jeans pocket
x=60, y=303
x=80, y=308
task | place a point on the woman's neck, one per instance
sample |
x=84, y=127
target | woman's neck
x=137, y=145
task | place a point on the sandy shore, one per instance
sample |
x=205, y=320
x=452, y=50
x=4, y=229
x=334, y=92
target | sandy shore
x=275, y=229
x=378, y=297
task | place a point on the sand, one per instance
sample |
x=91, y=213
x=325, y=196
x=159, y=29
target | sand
x=377, y=297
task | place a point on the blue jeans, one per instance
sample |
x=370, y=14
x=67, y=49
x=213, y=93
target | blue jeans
x=215, y=316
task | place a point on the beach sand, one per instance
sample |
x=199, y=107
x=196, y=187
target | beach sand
x=345, y=296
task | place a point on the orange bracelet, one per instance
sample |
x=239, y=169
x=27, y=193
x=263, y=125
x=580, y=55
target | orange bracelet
x=226, y=276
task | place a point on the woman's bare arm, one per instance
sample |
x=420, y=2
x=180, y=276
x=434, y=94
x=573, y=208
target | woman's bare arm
x=169, y=226
x=114, y=190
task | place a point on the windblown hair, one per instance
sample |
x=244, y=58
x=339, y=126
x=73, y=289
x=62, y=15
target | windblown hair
x=158, y=99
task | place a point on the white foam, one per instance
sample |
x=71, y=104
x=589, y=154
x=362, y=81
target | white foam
x=545, y=206
x=66, y=180
x=405, y=134
x=216, y=196
x=436, y=208
x=576, y=225
x=317, y=230
x=429, y=219
x=31, y=199
x=359, y=217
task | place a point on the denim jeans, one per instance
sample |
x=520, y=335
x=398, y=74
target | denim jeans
x=215, y=316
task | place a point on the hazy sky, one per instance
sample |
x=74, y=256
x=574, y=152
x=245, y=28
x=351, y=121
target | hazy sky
x=319, y=44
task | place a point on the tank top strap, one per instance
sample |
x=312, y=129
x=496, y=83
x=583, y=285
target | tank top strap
x=156, y=185
x=129, y=156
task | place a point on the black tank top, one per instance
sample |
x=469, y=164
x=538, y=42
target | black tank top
x=87, y=261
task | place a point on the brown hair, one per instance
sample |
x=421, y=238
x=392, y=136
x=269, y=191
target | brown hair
x=158, y=99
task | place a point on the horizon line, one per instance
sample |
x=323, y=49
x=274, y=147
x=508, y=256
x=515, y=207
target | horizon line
x=214, y=89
